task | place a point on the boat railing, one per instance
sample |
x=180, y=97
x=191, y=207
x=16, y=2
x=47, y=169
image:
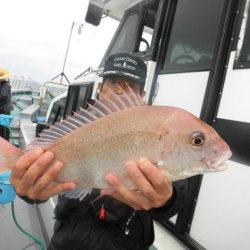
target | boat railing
x=45, y=90
x=20, y=83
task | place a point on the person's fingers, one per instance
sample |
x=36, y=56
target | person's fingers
x=24, y=162
x=158, y=180
x=120, y=192
x=37, y=169
x=141, y=182
x=35, y=178
x=48, y=177
x=163, y=189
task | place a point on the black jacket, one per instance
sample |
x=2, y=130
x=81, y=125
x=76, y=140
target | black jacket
x=78, y=224
x=5, y=97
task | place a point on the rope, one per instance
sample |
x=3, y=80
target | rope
x=11, y=136
x=39, y=242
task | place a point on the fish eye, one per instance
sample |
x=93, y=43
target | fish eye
x=197, y=139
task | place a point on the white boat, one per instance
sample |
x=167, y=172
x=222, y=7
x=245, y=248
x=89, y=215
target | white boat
x=198, y=58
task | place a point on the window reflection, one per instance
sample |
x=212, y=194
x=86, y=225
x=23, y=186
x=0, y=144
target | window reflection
x=193, y=35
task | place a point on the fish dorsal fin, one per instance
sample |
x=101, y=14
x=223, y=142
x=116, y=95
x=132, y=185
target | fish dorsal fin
x=103, y=107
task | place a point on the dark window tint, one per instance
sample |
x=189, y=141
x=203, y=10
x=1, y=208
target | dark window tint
x=71, y=99
x=193, y=35
x=81, y=102
x=245, y=50
x=125, y=39
x=78, y=96
x=57, y=111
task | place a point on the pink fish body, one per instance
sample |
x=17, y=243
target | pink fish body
x=179, y=143
x=165, y=135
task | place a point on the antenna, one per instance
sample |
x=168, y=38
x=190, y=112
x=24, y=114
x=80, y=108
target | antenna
x=62, y=74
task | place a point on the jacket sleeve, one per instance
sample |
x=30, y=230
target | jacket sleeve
x=175, y=204
x=30, y=201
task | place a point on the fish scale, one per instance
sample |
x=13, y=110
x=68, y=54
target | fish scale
x=109, y=156
x=133, y=119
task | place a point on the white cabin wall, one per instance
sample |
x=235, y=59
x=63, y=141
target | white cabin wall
x=221, y=220
x=165, y=240
x=235, y=102
x=183, y=90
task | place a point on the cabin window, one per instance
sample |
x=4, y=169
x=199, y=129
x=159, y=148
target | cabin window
x=149, y=17
x=124, y=39
x=78, y=96
x=244, y=53
x=193, y=36
x=81, y=102
x=136, y=32
x=57, y=111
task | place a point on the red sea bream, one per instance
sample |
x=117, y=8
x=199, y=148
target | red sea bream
x=100, y=140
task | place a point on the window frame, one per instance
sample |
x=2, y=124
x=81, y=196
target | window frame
x=239, y=63
x=182, y=68
x=141, y=9
x=117, y=33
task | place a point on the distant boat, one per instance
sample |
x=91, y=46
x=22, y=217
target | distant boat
x=31, y=100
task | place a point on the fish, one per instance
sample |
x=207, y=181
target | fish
x=99, y=140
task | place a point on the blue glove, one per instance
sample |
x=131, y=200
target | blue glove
x=7, y=191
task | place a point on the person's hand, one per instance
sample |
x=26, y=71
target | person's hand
x=153, y=187
x=32, y=178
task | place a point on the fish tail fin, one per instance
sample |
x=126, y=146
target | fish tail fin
x=77, y=193
x=8, y=155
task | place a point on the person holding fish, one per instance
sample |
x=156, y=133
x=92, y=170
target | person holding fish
x=114, y=170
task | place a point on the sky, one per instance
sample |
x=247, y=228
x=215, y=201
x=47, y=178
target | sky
x=34, y=37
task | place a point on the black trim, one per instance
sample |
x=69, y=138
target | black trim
x=194, y=68
x=211, y=101
x=168, y=16
x=149, y=52
x=241, y=65
x=184, y=219
x=184, y=238
x=242, y=61
x=239, y=18
x=219, y=63
x=237, y=135
x=73, y=94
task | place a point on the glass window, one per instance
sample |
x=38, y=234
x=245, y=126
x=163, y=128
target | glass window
x=245, y=50
x=125, y=40
x=148, y=24
x=193, y=35
x=81, y=102
x=57, y=111
x=72, y=93
x=78, y=96
x=146, y=39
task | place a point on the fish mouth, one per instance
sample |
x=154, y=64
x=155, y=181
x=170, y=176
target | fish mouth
x=219, y=167
x=219, y=164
